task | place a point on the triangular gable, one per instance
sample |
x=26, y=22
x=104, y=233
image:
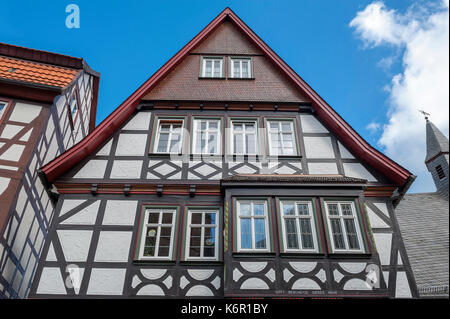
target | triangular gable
x=342, y=129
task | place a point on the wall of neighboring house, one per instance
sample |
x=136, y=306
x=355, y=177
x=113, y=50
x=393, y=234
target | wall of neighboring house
x=98, y=234
x=49, y=131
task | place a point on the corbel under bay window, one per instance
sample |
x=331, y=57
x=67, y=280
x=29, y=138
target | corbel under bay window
x=298, y=226
x=157, y=233
x=202, y=234
x=212, y=67
x=169, y=136
x=343, y=226
x=252, y=218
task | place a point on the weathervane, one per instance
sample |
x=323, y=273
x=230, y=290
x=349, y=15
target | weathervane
x=425, y=114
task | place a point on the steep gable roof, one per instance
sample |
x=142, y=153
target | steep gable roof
x=343, y=130
x=437, y=142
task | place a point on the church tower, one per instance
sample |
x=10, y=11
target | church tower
x=437, y=157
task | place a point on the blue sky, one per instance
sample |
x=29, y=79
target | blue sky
x=128, y=41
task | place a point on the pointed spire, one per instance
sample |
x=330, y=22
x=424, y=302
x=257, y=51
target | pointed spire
x=437, y=142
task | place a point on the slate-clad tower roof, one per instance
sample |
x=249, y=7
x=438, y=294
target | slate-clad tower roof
x=437, y=143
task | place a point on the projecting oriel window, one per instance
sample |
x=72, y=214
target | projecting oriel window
x=282, y=138
x=207, y=136
x=440, y=172
x=169, y=137
x=241, y=68
x=252, y=225
x=298, y=226
x=244, y=138
x=157, y=238
x=202, y=235
x=343, y=226
x=212, y=67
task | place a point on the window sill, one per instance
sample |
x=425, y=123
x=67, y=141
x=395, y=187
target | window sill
x=211, y=78
x=349, y=255
x=154, y=261
x=240, y=78
x=201, y=262
x=299, y=255
x=164, y=155
x=246, y=254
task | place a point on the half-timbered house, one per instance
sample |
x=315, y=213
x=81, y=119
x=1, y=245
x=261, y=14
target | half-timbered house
x=224, y=175
x=47, y=104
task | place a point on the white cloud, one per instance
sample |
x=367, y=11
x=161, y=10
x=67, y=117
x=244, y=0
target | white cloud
x=423, y=34
x=373, y=127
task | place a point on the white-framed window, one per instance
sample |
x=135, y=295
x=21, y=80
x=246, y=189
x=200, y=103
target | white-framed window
x=3, y=106
x=252, y=225
x=212, y=67
x=298, y=226
x=241, y=68
x=157, y=238
x=343, y=226
x=202, y=240
x=207, y=137
x=244, y=139
x=281, y=137
x=169, y=137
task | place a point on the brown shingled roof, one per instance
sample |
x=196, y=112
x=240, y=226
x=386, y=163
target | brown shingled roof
x=35, y=73
x=298, y=179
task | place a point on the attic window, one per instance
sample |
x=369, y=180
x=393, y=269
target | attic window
x=241, y=68
x=440, y=172
x=212, y=67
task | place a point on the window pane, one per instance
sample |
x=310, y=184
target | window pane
x=303, y=209
x=245, y=209
x=163, y=251
x=346, y=209
x=198, y=142
x=217, y=68
x=238, y=144
x=246, y=235
x=250, y=127
x=150, y=241
x=333, y=209
x=153, y=218
x=288, y=209
x=175, y=143
x=274, y=126
x=167, y=218
x=251, y=143
x=351, y=234
x=258, y=209
x=245, y=73
x=236, y=69
x=208, y=68
x=196, y=218
x=165, y=127
x=237, y=127
x=337, y=234
x=203, y=125
x=212, y=143
x=195, y=241
x=286, y=126
x=306, y=232
x=260, y=233
x=208, y=251
x=194, y=251
x=210, y=218
x=163, y=142
x=291, y=233
x=213, y=125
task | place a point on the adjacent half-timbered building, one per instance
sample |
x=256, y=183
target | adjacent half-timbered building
x=224, y=175
x=47, y=105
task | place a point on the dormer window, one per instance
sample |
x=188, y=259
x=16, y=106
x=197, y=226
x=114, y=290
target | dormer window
x=241, y=68
x=212, y=67
x=440, y=172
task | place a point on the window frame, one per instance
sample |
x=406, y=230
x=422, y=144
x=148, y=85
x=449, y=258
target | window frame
x=231, y=136
x=156, y=133
x=359, y=225
x=140, y=242
x=231, y=67
x=294, y=132
x=203, y=60
x=195, y=119
x=315, y=225
x=237, y=227
x=187, y=227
